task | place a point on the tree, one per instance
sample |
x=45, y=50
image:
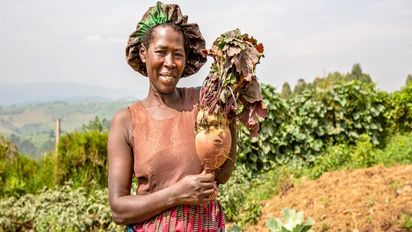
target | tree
x=357, y=74
x=299, y=87
x=286, y=91
x=409, y=79
x=8, y=149
x=96, y=125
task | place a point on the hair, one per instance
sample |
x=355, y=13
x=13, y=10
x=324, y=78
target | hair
x=148, y=36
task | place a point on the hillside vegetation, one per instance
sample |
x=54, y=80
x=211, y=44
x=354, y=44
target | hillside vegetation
x=32, y=127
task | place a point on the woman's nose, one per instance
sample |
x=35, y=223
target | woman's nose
x=170, y=61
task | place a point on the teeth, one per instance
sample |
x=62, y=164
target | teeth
x=167, y=77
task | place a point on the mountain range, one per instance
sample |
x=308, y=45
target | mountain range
x=29, y=93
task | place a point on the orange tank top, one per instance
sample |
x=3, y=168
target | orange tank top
x=164, y=150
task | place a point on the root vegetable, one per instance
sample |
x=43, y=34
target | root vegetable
x=230, y=92
x=213, y=144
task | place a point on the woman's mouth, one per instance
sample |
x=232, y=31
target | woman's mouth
x=167, y=79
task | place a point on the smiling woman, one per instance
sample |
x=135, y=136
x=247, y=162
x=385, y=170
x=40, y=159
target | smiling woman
x=164, y=57
x=153, y=139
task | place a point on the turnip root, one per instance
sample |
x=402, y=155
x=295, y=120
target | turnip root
x=230, y=92
x=213, y=143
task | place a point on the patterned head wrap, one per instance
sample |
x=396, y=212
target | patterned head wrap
x=161, y=14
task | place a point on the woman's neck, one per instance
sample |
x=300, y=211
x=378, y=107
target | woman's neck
x=155, y=98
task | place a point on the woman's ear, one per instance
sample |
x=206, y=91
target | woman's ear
x=142, y=53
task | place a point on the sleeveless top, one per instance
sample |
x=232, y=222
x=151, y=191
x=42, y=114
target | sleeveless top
x=164, y=150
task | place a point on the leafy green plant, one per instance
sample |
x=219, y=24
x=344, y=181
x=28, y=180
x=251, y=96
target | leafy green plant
x=82, y=158
x=398, y=150
x=406, y=221
x=292, y=222
x=399, y=114
x=60, y=209
x=301, y=128
x=242, y=194
x=363, y=154
x=333, y=158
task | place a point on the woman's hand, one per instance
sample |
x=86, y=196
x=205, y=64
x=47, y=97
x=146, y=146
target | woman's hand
x=194, y=189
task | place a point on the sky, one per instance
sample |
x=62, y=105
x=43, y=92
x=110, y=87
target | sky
x=84, y=41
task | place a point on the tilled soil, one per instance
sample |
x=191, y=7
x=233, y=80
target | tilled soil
x=371, y=199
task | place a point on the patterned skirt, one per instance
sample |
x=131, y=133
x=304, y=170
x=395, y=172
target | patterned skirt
x=185, y=218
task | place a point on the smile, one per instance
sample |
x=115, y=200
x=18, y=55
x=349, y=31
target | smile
x=167, y=79
x=166, y=76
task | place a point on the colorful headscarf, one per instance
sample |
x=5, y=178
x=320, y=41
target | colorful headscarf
x=161, y=14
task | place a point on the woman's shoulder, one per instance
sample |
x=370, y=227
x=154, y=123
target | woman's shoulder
x=121, y=117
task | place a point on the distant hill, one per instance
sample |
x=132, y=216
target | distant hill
x=49, y=92
x=32, y=126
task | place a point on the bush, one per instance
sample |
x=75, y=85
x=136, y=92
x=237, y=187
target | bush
x=60, y=209
x=300, y=129
x=400, y=113
x=397, y=151
x=82, y=158
x=334, y=158
x=241, y=195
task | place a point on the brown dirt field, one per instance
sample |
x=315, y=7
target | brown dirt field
x=371, y=199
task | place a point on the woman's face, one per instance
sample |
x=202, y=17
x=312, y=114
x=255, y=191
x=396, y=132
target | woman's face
x=165, y=58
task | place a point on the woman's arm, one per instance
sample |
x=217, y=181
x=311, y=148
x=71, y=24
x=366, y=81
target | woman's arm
x=224, y=172
x=131, y=209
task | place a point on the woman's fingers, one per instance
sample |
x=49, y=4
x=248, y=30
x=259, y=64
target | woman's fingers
x=207, y=186
x=206, y=177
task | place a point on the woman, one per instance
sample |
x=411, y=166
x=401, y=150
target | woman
x=153, y=139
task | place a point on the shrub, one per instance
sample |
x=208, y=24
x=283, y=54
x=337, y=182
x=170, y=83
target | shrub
x=334, y=158
x=60, y=209
x=400, y=112
x=301, y=128
x=82, y=158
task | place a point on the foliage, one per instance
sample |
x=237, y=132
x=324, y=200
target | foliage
x=259, y=153
x=7, y=149
x=333, y=158
x=300, y=87
x=231, y=89
x=406, y=221
x=15, y=173
x=60, y=209
x=408, y=79
x=82, y=158
x=398, y=149
x=332, y=79
x=363, y=155
x=293, y=222
x=400, y=109
x=242, y=194
x=299, y=130
x=232, y=194
x=97, y=125
x=286, y=92
x=357, y=74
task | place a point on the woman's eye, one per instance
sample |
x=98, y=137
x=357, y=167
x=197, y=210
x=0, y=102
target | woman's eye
x=179, y=54
x=160, y=52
